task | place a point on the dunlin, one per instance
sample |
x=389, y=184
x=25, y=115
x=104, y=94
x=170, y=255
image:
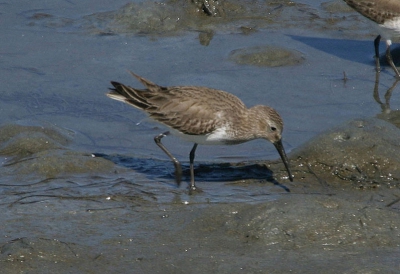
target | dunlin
x=203, y=116
x=387, y=14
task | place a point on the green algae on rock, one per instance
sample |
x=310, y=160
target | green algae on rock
x=266, y=56
x=43, y=151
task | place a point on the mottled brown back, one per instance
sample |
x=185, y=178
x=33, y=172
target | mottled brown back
x=378, y=11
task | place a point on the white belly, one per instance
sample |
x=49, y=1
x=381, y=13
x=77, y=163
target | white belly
x=218, y=137
x=392, y=28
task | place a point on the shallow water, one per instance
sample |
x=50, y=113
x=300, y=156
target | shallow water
x=57, y=60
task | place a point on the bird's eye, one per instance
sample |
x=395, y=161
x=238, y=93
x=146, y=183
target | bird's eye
x=273, y=128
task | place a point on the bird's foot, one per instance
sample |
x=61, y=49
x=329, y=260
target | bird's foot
x=194, y=189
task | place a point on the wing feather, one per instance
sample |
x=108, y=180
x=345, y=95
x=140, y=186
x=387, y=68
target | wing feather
x=191, y=110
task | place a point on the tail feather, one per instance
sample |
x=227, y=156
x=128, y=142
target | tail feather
x=128, y=95
x=139, y=98
x=148, y=84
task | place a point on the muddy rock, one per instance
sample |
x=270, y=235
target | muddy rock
x=266, y=56
x=34, y=253
x=43, y=151
x=364, y=152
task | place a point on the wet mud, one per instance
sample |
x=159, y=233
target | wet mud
x=343, y=205
x=170, y=18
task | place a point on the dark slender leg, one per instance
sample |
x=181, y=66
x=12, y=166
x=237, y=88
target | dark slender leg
x=384, y=106
x=390, y=60
x=376, y=89
x=178, y=168
x=376, y=44
x=191, y=157
x=388, y=93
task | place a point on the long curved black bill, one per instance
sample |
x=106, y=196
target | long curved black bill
x=281, y=150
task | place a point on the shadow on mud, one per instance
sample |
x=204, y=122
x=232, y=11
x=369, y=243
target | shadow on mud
x=206, y=172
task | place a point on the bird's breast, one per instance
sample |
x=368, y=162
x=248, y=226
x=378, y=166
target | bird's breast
x=393, y=25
